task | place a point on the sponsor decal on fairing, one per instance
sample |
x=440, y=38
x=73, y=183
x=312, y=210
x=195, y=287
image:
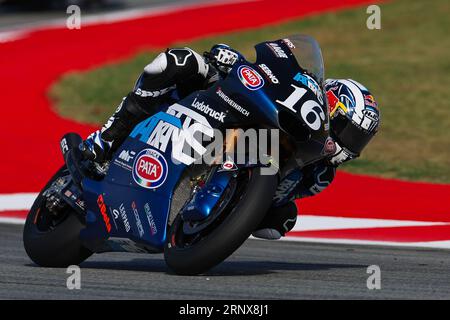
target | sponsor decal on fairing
x=269, y=73
x=250, y=78
x=201, y=106
x=150, y=169
x=309, y=82
x=138, y=219
x=289, y=43
x=124, y=159
x=150, y=219
x=179, y=126
x=102, y=206
x=231, y=102
x=228, y=165
x=126, y=155
x=121, y=212
x=277, y=50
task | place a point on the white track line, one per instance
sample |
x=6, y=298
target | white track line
x=314, y=223
x=17, y=201
x=426, y=244
x=12, y=221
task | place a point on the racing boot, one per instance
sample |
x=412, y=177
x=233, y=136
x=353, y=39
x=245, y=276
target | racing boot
x=95, y=148
x=277, y=222
x=100, y=145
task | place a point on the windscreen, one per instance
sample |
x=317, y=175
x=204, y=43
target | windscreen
x=308, y=55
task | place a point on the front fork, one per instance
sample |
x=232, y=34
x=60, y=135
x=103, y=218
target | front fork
x=206, y=197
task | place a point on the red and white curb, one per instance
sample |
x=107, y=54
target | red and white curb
x=425, y=244
x=361, y=228
x=14, y=207
x=16, y=201
x=312, y=223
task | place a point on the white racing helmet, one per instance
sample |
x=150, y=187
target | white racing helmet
x=354, y=118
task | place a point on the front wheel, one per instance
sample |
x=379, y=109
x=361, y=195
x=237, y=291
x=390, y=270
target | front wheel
x=194, y=248
x=51, y=237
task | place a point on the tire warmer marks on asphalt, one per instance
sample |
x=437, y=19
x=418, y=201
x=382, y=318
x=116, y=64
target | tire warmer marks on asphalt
x=31, y=132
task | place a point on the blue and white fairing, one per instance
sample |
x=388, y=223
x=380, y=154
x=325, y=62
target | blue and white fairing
x=144, y=172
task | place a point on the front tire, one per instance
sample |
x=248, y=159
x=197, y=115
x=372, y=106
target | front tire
x=251, y=204
x=53, y=241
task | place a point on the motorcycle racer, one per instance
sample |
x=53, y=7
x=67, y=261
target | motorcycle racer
x=177, y=72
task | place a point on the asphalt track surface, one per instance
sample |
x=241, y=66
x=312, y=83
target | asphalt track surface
x=258, y=270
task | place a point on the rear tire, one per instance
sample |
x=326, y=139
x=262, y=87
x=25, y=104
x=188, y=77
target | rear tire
x=229, y=235
x=59, y=246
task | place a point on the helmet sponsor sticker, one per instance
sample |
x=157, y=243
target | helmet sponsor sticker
x=251, y=79
x=150, y=169
x=372, y=114
x=369, y=100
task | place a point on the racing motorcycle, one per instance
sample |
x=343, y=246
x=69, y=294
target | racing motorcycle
x=154, y=197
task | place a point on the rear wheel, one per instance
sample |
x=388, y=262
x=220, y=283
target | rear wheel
x=51, y=236
x=193, y=248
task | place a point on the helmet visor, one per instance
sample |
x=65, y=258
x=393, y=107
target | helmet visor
x=350, y=135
